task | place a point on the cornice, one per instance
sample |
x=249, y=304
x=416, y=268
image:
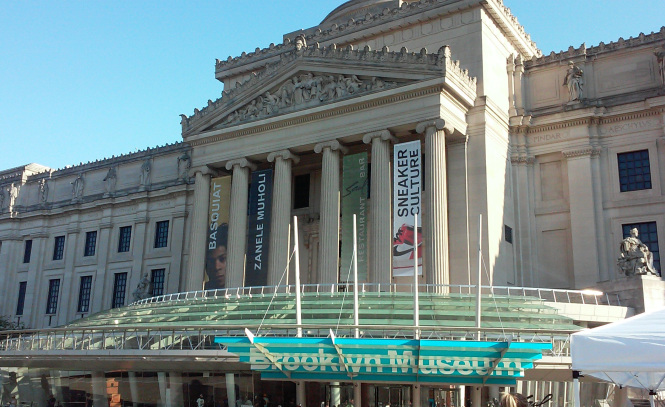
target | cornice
x=582, y=152
x=407, y=11
x=522, y=160
x=592, y=118
x=584, y=52
x=434, y=65
x=303, y=119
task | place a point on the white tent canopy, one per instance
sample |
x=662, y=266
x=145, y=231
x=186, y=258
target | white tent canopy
x=628, y=353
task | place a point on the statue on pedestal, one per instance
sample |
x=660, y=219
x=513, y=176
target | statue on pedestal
x=635, y=258
x=142, y=289
x=574, y=81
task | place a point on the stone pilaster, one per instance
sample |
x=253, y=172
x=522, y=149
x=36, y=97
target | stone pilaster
x=380, y=239
x=198, y=233
x=237, y=245
x=281, y=214
x=517, y=79
x=330, y=206
x=435, y=219
x=582, y=209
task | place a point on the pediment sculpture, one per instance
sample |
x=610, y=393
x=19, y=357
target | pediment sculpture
x=306, y=90
x=635, y=257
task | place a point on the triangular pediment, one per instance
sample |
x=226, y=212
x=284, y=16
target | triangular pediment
x=312, y=77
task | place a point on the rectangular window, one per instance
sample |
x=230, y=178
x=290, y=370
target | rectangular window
x=84, y=294
x=20, y=304
x=90, y=243
x=27, y=252
x=59, y=248
x=119, y=288
x=508, y=233
x=634, y=170
x=53, y=292
x=161, y=234
x=648, y=234
x=157, y=282
x=301, y=191
x=124, y=239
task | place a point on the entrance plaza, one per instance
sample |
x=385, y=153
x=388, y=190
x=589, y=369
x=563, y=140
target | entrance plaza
x=397, y=143
x=243, y=345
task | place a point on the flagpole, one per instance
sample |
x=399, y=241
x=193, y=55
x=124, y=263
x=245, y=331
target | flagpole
x=356, y=319
x=416, y=306
x=478, y=286
x=298, y=303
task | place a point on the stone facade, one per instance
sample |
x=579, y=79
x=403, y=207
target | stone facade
x=530, y=142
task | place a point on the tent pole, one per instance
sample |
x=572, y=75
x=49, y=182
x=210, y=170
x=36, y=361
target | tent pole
x=576, y=388
x=651, y=398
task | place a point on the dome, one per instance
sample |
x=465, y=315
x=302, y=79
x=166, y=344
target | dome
x=358, y=8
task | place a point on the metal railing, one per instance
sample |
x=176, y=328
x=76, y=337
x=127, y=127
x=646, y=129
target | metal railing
x=190, y=338
x=545, y=294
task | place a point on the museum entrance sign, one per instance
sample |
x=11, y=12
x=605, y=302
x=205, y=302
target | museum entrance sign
x=386, y=360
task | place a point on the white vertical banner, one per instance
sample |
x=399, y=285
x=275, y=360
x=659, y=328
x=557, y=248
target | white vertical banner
x=407, y=192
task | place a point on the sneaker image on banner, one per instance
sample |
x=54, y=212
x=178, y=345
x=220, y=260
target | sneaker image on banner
x=403, y=245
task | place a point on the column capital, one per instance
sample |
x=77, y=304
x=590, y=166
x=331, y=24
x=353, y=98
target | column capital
x=581, y=152
x=203, y=170
x=384, y=135
x=240, y=162
x=438, y=124
x=284, y=155
x=333, y=145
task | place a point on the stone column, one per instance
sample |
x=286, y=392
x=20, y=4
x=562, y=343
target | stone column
x=161, y=380
x=99, y=396
x=330, y=206
x=133, y=388
x=198, y=235
x=281, y=214
x=301, y=395
x=231, y=389
x=380, y=239
x=476, y=396
x=237, y=240
x=582, y=209
x=175, y=390
x=620, y=396
x=435, y=202
x=415, y=389
x=525, y=248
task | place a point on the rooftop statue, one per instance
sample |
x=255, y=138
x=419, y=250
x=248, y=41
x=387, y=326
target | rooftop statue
x=635, y=258
x=575, y=82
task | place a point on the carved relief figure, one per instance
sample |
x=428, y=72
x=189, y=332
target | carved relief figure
x=184, y=164
x=77, y=187
x=144, y=178
x=660, y=57
x=306, y=89
x=13, y=194
x=43, y=191
x=142, y=289
x=110, y=180
x=2, y=199
x=300, y=42
x=574, y=81
x=635, y=257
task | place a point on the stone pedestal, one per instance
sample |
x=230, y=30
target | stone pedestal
x=643, y=293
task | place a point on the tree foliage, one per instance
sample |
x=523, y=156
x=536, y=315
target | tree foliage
x=6, y=324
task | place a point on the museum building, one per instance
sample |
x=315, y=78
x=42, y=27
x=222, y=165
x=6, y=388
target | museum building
x=270, y=258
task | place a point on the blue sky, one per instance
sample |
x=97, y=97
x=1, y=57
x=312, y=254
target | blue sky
x=83, y=80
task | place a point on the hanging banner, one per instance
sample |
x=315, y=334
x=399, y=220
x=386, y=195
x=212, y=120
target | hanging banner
x=218, y=230
x=258, y=236
x=406, y=204
x=354, y=201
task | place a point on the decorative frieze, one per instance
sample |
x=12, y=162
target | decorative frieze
x=522, y=160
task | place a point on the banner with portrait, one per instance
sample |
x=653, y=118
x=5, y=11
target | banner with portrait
x=258, y=235
x=218, y=230
x=407, y=192
x=354, y=201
